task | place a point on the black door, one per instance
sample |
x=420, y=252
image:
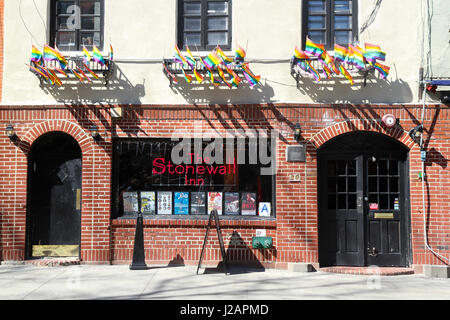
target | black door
x=362, y=184
x=54, y=194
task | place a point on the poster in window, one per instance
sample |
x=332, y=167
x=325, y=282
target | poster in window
x=264, y=209
x=198, y=203
x=164, y=202
x=130, y=202
x=215, y=202
x=181, y=202
x=231, y=204
x=148, y=202
x=248, y=203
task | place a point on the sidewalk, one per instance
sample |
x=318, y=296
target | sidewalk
x=162, y=282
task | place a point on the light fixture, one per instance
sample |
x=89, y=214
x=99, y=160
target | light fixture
x=94, y=132
x=10, y=132
x=416, y=132
x=297, y=131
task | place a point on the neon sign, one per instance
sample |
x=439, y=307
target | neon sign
x=160, y=166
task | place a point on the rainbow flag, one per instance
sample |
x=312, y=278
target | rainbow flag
x=97, y=56
x=54, y=77
x=382, y=69
x=213, y=81
x=53, y=54
x=346, y=74
x=90, y=71
x=174, y=80
x=111, y=53
x=187, y=77
x=61, y=71
x=198, y=76
x=181, y=58
x=36, y=55
x=38, y=71
x=251, y=78
x=312, y=48
x=76, y=74
x=240, y=53
x=235, y=80
x=211, y=60
x=358, y=58
x=190, y=58
x=299, y=54
x=223, y=56
x=373, y=52
x=222, y=76
x=86, y=55
x=350, y=54
x=84, y=75
x=328, y=62
x=340, y=53
x=306, y=66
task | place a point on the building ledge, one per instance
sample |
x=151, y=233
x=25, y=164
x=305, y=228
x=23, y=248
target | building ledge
x=198, y=222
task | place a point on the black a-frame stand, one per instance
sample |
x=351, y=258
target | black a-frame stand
x=215, y=216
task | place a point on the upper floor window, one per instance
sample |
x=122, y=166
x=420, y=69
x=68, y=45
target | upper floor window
x=76, y=23
x=204, y=24
x=330, y=22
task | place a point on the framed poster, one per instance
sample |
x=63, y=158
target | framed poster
x=264, y=209
x=248, y=203
x=231, y=204
x=148, y=202
x=198, y=203
x=181, y=202
x=130, y=202
x=164, y=202
x=215, y=202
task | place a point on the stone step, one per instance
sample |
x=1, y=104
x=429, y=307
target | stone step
x=54, y=262
x=382, y=271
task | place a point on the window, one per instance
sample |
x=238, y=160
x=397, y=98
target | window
x=330, y=21
x=204, y=24
x=147, y=177
x=76, y=23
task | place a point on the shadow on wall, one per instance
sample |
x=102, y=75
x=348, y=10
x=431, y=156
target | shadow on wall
x=208, y=93
x=240, y=255
x=119, y=90
x=339, y=90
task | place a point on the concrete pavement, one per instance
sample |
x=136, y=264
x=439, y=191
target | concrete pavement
x=109, y=282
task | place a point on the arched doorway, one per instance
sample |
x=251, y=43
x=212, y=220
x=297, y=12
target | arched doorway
x=363, y=195
x=54, y=196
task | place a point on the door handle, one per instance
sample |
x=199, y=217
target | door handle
x=373, y=252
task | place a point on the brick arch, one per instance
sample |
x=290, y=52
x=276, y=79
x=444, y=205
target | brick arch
x=72, y=129
x=337, y=129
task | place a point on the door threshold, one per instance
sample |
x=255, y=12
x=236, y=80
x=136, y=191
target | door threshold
x=372, y=270
x=53, y=261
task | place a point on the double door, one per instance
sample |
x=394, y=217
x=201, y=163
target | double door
x=363, y=209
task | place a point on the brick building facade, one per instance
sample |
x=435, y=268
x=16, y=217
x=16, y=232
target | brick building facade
x=294, y=224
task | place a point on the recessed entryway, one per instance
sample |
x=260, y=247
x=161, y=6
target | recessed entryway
x=363, y=201
x=54, y=197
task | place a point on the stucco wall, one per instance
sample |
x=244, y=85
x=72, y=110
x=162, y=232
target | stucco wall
x=147, y=30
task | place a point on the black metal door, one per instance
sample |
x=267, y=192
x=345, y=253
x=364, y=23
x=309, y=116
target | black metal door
x=341, y=219
x=386, y=211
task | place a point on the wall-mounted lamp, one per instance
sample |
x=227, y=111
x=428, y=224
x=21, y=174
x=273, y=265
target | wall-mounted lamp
x=297, y=131
x=94, y=132
x=11, y=133
x=416, y=132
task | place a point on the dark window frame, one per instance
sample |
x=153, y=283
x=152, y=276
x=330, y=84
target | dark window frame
x=78, y=45
x=204, y=25
x=329, y=29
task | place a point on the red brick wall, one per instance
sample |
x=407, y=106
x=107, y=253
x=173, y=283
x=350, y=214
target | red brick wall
x=295, y=227
x=2, y=10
